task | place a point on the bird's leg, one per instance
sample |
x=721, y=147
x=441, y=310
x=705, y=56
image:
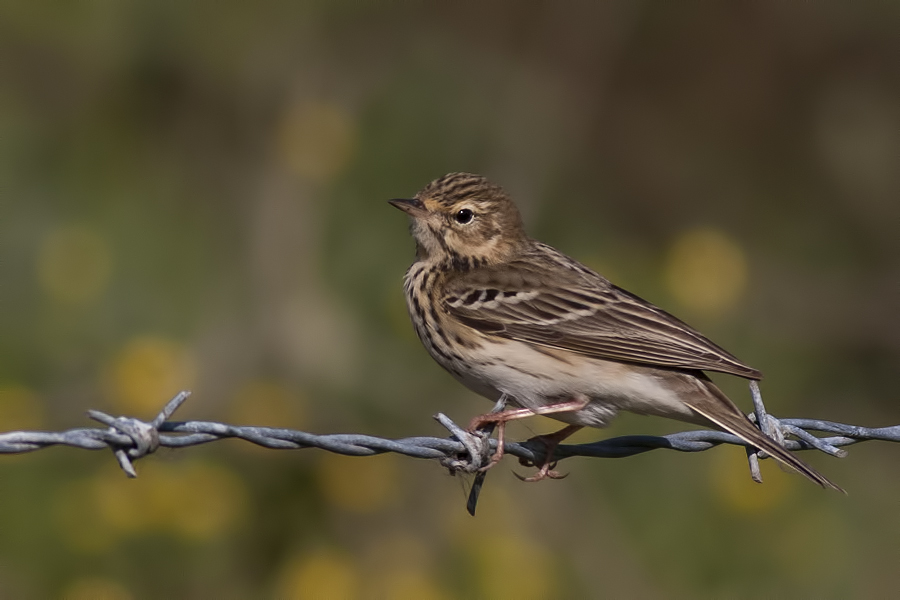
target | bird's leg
x=503, y=417
x=496, y=456
x=520, y=413
x=499, y=419
x=551, y=441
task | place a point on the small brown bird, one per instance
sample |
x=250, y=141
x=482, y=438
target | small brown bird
x=506, y=314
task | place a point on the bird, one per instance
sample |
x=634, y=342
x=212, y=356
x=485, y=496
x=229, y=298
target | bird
x=509, y=316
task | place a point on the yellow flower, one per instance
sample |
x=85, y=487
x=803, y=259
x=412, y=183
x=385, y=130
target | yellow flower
x=322, y=574
x=147, y=373
x=20, y=408
x=706, y=270
x=358, y=484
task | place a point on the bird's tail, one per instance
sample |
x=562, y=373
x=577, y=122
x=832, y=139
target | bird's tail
x=719, y=409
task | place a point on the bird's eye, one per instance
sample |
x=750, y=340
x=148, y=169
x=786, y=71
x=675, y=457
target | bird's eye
x=464, y=216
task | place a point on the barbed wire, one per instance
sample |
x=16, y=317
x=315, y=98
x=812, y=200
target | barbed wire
x=130, y=439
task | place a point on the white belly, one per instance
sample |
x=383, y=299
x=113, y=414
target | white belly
x=535, y=378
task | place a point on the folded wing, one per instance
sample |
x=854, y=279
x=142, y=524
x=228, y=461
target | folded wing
x=569, y=307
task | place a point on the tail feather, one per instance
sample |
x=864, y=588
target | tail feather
x=730, y=418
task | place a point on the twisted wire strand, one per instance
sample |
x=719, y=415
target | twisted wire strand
x=130, y=439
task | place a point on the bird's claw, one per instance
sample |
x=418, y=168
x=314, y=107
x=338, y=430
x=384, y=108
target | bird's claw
x=495, y=458
x=547, y=471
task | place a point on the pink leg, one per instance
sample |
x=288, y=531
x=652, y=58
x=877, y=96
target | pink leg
x=503, y=417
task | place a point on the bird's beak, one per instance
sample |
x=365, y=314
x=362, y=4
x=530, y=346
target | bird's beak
x=411, y=206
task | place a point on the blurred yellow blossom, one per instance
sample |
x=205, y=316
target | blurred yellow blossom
x=267, y=403
x=404, y=583
x=322, y=574
x=402, y=566
x=358, y=484
x=193, y=500
x=209, y=500
x=96, y=588
x=500, y=569
x=317, y=140
x=74, y=264
x=496, y=544
x=497, y=514
x=147, y=373
x=737, y=492
x=20, y=408
x=706, y=270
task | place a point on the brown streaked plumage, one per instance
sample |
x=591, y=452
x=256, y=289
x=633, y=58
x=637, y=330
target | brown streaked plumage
x=505, y=314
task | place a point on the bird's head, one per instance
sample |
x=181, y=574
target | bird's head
x=463, y=218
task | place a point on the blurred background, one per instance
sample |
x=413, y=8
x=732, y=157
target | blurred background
x=193, y=196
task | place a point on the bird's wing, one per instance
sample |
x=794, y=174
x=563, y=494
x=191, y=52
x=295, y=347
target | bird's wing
x=558, y=303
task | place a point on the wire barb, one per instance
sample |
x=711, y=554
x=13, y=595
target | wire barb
x=144, y=437
x=477, y=447
x=131, y=439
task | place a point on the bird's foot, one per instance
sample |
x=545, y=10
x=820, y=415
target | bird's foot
x=545, y=472
x=500, y=418
x=500, y=451
x=550, y=441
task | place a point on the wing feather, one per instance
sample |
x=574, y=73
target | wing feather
x=567, y=306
